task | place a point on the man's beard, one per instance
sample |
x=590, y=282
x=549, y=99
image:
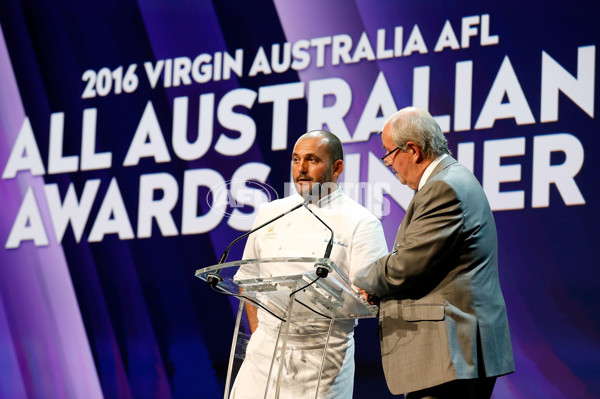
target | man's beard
x=304, y=188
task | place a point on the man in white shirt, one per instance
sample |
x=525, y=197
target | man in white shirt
x=358, y=241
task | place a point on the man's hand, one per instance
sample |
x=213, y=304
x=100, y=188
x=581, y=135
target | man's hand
x=371, y=298
x=251, y=312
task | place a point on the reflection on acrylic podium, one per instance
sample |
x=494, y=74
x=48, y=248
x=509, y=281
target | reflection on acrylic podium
x=296, y=300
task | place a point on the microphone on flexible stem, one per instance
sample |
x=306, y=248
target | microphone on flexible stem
x=322, y=269
x=215, y=278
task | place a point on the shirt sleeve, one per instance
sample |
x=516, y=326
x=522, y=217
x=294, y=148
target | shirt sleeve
x=251, y=251
x=368, y=245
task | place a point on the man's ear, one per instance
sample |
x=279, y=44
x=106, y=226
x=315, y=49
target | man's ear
x=338, y=167
x=415, y=151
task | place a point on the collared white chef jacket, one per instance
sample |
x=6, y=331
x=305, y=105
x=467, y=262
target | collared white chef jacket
x=358, y=241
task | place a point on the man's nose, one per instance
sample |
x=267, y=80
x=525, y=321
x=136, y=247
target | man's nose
x=303, y=167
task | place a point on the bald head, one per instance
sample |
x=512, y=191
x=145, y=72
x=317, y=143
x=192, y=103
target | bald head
x=333, y=146
x=317, y=158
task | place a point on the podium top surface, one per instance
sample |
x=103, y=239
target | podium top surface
x=321, y=298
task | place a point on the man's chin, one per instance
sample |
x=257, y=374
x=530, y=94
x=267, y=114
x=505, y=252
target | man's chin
x=303, y=188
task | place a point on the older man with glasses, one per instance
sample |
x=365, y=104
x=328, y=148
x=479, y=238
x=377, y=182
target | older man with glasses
x=443, y=324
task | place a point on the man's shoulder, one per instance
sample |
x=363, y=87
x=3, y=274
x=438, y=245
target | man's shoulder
x=457, y=181
x=354, y=209
x=452, y=172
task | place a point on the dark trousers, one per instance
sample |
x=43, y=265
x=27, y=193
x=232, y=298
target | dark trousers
x=477, y=388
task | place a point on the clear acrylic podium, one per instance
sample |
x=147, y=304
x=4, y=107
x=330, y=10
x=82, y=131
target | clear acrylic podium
x=292, y=299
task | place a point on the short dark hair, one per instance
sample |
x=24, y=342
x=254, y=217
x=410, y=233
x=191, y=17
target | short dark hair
x=334, y=148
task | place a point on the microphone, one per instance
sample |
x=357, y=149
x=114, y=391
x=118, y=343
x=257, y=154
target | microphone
x=323, y=269
x=215, y=278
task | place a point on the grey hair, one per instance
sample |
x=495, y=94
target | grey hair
x=417, y=125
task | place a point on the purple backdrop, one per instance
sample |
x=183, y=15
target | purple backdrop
x=121, y=120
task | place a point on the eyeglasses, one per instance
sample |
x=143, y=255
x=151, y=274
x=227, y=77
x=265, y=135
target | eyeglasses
x=387, y=155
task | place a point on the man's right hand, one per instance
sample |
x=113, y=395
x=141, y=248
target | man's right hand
x=371, y=298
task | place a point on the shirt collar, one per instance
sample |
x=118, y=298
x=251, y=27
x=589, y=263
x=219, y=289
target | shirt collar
x=429, y=170
x=328, y=199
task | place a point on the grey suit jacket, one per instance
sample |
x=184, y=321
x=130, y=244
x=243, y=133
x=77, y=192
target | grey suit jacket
x=442, y=314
